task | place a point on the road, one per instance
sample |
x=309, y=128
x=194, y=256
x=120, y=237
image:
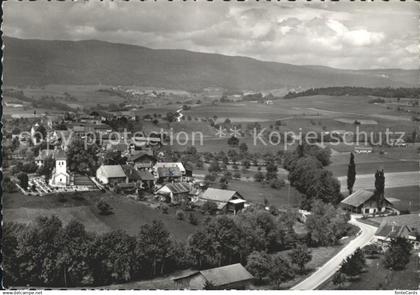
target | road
x=394, y=179
x=329, y=268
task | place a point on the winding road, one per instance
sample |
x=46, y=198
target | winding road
x=328, y=269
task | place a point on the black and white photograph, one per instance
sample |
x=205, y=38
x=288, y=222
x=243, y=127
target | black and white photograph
x=210, y=145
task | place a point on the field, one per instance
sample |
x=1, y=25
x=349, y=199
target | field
x=379, y=278
x=256, y=193
x=128, y=215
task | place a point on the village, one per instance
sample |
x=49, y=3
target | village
x=139, y=168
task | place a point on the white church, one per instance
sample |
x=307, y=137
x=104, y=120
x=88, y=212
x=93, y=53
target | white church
x=60, y=177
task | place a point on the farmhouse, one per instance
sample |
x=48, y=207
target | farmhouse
x=175, y=192
x=171, y=165
x=60, y=177
x=166, y=174
x=227, y=200
x=44, y=155
x=387, y=231
x=366, y=202
x=142, y=159
x=111, y=174
x=233, y=276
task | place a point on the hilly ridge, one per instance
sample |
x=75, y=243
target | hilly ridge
x=41, y=62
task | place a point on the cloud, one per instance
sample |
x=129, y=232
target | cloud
x=339, y=34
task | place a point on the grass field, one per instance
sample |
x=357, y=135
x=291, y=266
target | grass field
x=128, y=215
x=256, y=193
x=405, y=198
x=379, y=278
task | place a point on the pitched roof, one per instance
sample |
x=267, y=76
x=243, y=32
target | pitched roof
x=131, y=173
x=411, y=220
x=140, y=154
x=169, y=172
x=61, y=155
x=44, y=154
x=113, y=171
x=225, y=275
x=219, y=195
x=146, y=175
x=358, y=198
x=170, y=165
x=391, y=230
x=178, y=187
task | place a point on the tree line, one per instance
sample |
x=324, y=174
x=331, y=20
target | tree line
x=359, y=91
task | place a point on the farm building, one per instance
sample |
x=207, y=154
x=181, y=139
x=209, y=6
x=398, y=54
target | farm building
x=111, y=174
x=233, y=276
x=171, y=165
x=230, y=201
x=366, y=202
x=44, y=155
x=167, y=174
x=388, y=231
x=142, y=159
x=175, y=192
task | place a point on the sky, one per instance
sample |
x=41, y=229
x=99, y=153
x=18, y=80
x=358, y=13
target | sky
x=348, y=35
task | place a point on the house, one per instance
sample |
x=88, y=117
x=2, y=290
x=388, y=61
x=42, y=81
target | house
x=366, y=202
x=171, y=165
x=60, y=177
x=142, y=159
x=233, y=276
x=363, y=149
x=111, y=174
x=227, y=200
x=147, y=179
x=44, y=155
x=405, y=226
x=175, y=193
x=168, y=174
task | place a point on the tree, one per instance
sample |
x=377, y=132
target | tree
x=338, y=279
x=351, y=174
x=280, y=271
x=192, y=219
x=114, y=259
x=380, y=186
x=82, y=158
x=47, y=168
x=209, y=207
x=23, y=180
x=354, y=264
x=259, y=177
x=300, y=256
x=180, y=215
x=153, y=246
x=258, y=264
x=243, y=147
x=104, y=208
x=326, y=224
x=398, y=254
x=233, y=141
x=74, y=255
x=271, y=171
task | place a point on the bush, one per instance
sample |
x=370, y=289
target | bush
x=209, y=207
x=259, y=176
x=237, y=175
x=61, y=198
x=193, y=219
x=164, y=208
x=277, y=183
x=104, y=208
x=180, y=215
